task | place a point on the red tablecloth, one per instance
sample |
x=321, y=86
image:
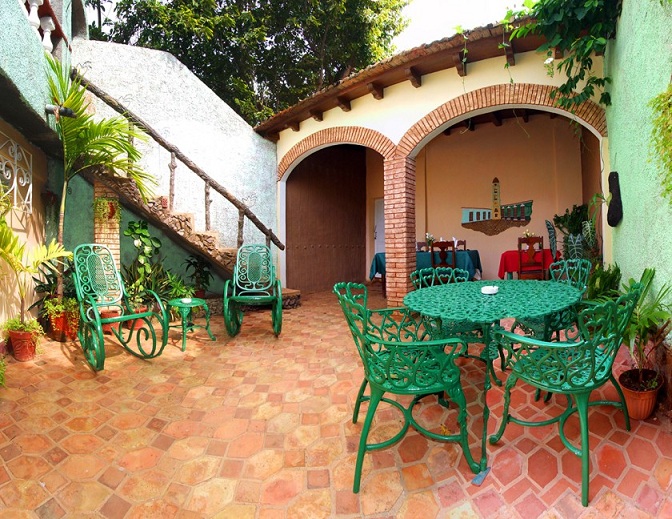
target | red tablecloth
x=510, y=260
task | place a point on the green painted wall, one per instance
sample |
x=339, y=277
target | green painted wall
x=639, y=61
x=79, y=229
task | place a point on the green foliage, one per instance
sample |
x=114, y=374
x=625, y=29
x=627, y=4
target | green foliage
x=603, y=283
x=650, y=320
x=105, y=207
x=579, y=29
x=661, y=137
x=3, y=368
x=262, y=57
x=200, y=271
x=138, y=276
x=16, y=324
x=572, y=222
x=54, y=307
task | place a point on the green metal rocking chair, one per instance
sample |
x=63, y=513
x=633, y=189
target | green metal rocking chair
x=99, y=287
x=401, y=356
x=573, y=369
x=253, y=283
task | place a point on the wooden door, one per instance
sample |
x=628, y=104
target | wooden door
x=326, y=212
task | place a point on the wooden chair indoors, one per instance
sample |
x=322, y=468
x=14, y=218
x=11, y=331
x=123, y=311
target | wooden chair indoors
x=461, y=245
x=443, y=254
x=531, y=258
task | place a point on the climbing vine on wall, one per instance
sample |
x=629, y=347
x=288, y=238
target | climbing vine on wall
x=578, y=29
x=661, y=136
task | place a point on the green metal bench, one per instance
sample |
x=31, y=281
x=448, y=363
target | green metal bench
x=99, y=287
x=253, y=283
x=402, y=356
x=573, y=369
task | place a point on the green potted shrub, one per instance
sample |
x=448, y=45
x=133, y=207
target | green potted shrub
x=200, y=274
x=24, y=332
x=63, y=315
x=645, y=332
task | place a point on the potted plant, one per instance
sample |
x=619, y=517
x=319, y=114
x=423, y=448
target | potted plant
x=24, y=332
x=200, y=274
x=645, y=332
x=63, y=315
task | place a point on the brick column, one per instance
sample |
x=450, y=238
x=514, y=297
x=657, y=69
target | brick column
x=106, y=230
x=399, y=186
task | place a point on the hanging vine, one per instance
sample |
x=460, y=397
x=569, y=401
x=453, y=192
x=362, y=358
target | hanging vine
x=661, y=137
x=578, y=29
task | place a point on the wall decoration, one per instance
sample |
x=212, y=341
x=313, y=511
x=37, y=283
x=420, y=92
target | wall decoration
x=499, y=217
x=615, y=210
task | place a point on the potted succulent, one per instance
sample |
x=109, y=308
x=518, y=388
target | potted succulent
x=645, y=332
x=24, y=332
x=200, y=274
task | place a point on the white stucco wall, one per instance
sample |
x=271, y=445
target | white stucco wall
x=174, y=102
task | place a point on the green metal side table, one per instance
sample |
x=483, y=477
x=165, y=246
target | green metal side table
x=184, y=306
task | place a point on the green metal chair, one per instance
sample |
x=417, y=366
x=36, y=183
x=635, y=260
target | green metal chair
x=573, y=369
x=253, y=283
x=402, y=356
x=430, y=276
x=99, y=287
x=574, y=272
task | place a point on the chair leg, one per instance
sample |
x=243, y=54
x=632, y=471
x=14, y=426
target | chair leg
x=358, y=402
x=510, y=382
x=376, y=396
x=582, y=410
x=622, y=398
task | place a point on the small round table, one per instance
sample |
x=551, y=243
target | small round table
x=184, y=307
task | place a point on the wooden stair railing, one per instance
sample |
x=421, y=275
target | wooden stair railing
x=243, y=210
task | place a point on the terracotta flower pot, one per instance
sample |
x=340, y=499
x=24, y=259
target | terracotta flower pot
x=64, y=327
x=106, y=314
x=136, y=325
x=23, y=345
x=640, y=402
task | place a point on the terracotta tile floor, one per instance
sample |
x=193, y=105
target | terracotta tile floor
x=261, y=427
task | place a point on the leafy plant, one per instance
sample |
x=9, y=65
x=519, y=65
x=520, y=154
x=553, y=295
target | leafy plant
x=650, y=321
x=603, y=283
x=200, y=271
x=661, y=137
x=69, y=306
x=105, y=207
x=138, y=275
x=572, y=222
x=3, y=368
x=578, y=29
x=16, y=324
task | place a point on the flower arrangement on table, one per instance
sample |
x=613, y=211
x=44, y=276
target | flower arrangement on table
x=429, y=238
x=528, y=234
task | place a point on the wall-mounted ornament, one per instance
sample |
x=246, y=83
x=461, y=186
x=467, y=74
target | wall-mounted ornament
x=499, y=217
x=615, y=210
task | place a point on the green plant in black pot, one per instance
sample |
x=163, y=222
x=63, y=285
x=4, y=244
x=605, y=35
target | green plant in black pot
x=198, y=270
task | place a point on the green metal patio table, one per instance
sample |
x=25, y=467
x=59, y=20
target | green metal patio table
x=184, y=307
x=518, y=299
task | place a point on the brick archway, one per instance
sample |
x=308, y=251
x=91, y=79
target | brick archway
x=339, y=135
x=589, y=114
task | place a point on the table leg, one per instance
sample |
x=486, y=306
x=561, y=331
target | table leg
x=207, y=321
x=184, y=313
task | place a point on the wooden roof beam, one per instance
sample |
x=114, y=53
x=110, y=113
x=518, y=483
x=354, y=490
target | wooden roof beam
x=460, y=66
x=376, y=90
x=316, y=114
x=510, y=54
x=525, y=114
x=496, y=118
x=414, y=76
x=294, y=125
x=343, y=104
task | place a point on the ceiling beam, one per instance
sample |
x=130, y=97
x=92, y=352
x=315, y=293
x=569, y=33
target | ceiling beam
x=414, y=76
x=343, y=104
x=525, y=115
x=510, y=53
x=294, y=125
x=376, y=90
x=316, y=114
x=460, y=66
x=496, y=118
